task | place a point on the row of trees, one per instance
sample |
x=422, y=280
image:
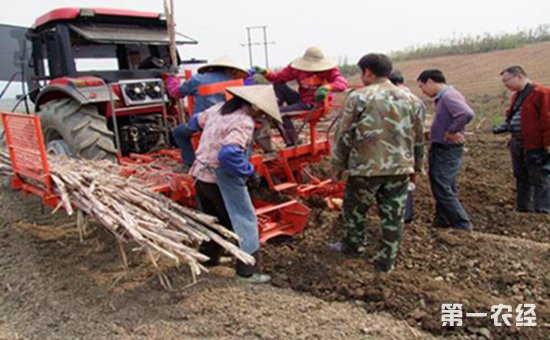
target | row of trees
x=475, y=44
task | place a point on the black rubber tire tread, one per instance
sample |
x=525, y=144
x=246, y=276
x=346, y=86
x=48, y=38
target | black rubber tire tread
x=82, y=128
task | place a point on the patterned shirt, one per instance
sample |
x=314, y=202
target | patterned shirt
x=380, y=132
x=514, y=122
x=232, y=129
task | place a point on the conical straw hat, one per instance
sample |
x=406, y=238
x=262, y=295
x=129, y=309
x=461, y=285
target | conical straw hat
x=224, y=62
x=313, y=60
x=263, y=96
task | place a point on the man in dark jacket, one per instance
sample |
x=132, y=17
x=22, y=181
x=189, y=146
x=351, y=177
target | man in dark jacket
x=528, y=121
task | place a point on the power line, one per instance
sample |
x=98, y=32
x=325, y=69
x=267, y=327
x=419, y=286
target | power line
x=250, y=43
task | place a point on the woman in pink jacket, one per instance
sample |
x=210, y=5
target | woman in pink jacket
x=317, y=76
x=222, y=168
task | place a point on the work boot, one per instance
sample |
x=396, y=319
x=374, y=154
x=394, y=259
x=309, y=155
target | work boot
x=383, y=267
x=251, y=273
x=213, y=251
x=256, y=278
x=344, y=248
x=436, y=224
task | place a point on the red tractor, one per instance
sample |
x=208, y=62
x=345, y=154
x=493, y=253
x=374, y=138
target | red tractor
x=94, y=76
x=83, y=60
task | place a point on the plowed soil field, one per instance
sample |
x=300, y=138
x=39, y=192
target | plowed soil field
x=57, y=284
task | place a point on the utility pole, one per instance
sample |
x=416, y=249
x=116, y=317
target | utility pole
x=249, y=46
x=171, y=26
x=250, y=43
x=265, y=47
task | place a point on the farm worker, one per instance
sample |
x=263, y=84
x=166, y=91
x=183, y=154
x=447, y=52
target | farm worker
x=317, y=76
x=222, y=168
x=397, y=79
x=452, y=114
x=379, y=141
x=220, y=70
x=528, y=121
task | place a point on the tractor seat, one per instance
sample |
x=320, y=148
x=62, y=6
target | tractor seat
x=318, y=111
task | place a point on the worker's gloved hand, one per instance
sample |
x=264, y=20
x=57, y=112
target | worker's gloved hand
x=254, y=181
x=172, y=85
x=173, y=69
x=321, y=93
x=260, y=70
x=170, y=72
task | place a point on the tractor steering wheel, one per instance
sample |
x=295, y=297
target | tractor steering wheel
x=152, y=62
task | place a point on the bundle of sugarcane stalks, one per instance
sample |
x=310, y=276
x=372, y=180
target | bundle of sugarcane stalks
x=132, y=212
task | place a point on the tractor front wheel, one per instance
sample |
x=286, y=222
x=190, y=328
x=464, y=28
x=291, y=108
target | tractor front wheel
x=76, y=130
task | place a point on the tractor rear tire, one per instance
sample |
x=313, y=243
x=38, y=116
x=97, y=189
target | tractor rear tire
x=80, y=127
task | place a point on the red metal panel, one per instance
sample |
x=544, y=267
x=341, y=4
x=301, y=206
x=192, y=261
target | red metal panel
x=78, y=82
x=70, y=13
x=26, y=147
x=57, y=14
x=128, y=111
x=210, y=89
x=285, y=219
x=28, y=156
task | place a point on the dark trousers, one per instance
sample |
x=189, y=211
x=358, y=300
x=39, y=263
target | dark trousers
x=532, y=181
x=444, y=166
x=409, y=207
x=211, y=202
x=289, y=101
x=182, y=136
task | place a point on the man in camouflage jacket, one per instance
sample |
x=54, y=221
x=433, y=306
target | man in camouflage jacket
x=379, y=141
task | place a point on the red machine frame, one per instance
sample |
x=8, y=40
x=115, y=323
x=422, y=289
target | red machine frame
x=28, y=156
x=285, y=170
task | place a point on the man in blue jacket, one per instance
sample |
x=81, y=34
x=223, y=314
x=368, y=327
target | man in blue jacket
x=220, y=70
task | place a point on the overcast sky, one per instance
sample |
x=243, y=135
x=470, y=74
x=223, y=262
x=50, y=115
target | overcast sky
x=344, y=28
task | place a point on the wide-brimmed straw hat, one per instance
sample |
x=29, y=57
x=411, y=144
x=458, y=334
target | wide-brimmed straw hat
x=263, y=96
x=313, y=60
x=224, y=62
